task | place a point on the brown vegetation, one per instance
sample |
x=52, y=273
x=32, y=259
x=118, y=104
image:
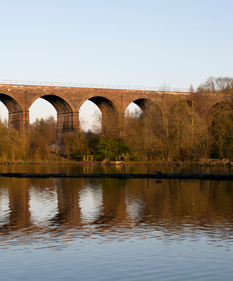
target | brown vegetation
x=35, y=146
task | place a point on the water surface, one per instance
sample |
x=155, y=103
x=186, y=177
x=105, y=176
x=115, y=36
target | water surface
x=110, y=229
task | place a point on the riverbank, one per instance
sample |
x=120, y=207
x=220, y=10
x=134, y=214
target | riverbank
x=201, y=162
x=157, y=176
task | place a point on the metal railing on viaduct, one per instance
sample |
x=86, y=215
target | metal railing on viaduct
x=98, y=86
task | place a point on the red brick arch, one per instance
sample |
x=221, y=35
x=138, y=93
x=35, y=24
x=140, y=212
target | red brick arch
x=15, y=111
x=110, y=113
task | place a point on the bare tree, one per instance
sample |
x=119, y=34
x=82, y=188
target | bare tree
x=220, y=84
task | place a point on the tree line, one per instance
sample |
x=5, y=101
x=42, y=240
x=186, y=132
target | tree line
x=186, y=131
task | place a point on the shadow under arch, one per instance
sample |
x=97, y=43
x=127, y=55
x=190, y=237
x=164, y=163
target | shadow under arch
x=221, y=106
x=64, y=114
x=144, y=104
x=110, y=115
x=150, y=110
x=15, y=112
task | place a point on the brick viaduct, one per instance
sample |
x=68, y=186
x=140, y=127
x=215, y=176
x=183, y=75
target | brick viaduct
x=68, y=100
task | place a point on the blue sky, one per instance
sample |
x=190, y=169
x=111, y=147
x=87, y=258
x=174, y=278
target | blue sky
x=137, y=43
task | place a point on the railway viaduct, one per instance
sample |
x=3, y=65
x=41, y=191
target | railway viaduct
x=112, y=103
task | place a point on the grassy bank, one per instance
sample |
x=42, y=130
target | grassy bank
x=63, y=160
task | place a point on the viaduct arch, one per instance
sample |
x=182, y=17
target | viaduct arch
x=15, y=111
x=110, y=114
x=112, y=103
x=64, y=112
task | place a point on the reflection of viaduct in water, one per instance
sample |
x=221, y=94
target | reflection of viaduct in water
x=19, y=215
x=68, y=202
x=122, y=206
x=112, y=102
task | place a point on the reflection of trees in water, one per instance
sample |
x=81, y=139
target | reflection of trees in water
x=106, y=206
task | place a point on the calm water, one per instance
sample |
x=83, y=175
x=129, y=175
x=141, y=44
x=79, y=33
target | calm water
x=109, y=229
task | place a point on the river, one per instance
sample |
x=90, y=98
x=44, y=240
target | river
x=111, y=229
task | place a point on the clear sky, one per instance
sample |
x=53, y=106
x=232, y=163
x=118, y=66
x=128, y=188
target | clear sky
x=138, y=43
